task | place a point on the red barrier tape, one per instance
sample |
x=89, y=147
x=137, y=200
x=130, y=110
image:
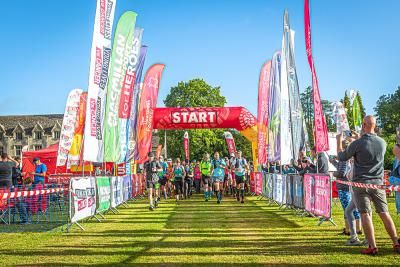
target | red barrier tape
x=371, y=186
x=10, y=195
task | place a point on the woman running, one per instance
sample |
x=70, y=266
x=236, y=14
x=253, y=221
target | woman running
x=179, y=173
x=218, y=173
x=205, y=168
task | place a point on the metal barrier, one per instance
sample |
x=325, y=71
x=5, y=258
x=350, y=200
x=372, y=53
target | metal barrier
x=39, y=207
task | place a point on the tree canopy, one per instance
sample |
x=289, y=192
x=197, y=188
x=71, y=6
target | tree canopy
x=197, y=93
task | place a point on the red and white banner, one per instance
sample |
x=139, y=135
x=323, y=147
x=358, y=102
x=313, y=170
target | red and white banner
x=230, y=142
x=83, y=198
x=209, y=117
x=186, y=145
x=321, y=132
x=68, y=126
x=98, y=77
x=148, y=101
x=262, y=112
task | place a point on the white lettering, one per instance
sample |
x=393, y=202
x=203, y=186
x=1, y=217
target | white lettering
x=192, y=118
x=175, y=117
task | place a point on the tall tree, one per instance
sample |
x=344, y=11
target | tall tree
x=308, y=110
x=387, y=111
x=197, y=93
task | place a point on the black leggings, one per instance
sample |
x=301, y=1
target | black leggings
x=178, y=187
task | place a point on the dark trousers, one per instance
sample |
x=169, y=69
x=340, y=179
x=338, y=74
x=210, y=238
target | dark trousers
x=197, y=183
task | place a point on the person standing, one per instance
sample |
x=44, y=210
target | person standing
x=205, y=167
x=218, y=173
x=368, y=152
x=163, y=176
x=322, y=161
x=151, y=169
x=40, y=172
x=240, y=165
x=6, y=166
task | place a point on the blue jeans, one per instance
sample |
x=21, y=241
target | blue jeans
x=345, y=200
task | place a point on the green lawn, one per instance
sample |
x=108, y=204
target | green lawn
x=195, y=233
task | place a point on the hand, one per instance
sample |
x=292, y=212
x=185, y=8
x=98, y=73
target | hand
x=355, y=134
x=339, y=137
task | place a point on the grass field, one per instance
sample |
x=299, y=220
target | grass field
x=194, y=233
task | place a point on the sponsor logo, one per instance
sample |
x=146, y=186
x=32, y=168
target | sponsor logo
x=107, y=24
x=97, y=66
x=193, y=117
x=104, y=69
x=102, y=15
x=92, y=117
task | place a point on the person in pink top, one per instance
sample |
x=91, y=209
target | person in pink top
x=197, y=176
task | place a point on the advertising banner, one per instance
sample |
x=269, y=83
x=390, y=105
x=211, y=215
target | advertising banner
x=186, y=145
x=230, y=142
x=75, y=153
x=298, y=191
x=317, y=194
x=259, y=183
x=68, y=126
x=98, y=77
x=269, y=181
x=252, y=183
x=320, y=129
x=127, y=188
x=83, y=197
x=103, y=194
x=148, y=102
x=279, y=189
x=117, y=82
x=262, y=112
x=340, y=117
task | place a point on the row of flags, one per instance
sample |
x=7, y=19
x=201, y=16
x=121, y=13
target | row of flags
x=112, y=121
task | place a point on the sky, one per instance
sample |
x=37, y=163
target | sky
x=45, y=47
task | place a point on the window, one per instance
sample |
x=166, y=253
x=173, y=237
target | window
x=18, y=150
x=57, y=135
x=18, y=136
x=38, y=147
x=38, y=135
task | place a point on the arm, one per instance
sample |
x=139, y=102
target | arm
x=349, y=152
x=43, y=173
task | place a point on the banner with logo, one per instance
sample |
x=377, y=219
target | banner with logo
x=230, y=142
x=103, y=193
x=317, y=198
x=83, y=198
x=269, y=180
x=274, y=114
x=259, y=183
x=148, y=102
x=98, y=76
x=320, y=129
x=75, y=153
x=132, y=123
x=340, y=117
x=279, y=186
x=298, y=191
x=127, y=92
x=127, y=188
x=68, y=126
x=186, y=145
x=296, y=110
x=121, y=190
x=122, y=46
x=262, y=112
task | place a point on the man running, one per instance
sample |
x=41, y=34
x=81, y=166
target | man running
x=205, y=168
x=179, y=173
x=240, y=165
x=218, y=173
x=151, y=169
x=163, y=176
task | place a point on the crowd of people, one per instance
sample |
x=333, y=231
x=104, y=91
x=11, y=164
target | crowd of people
x=180, y=179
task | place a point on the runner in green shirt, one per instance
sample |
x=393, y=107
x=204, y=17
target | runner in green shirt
x=205, y=168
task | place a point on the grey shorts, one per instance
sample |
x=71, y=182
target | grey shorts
x=364, y=196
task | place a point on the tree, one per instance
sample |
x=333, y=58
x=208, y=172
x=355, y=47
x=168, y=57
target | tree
x=197, y=93
x=387, y=111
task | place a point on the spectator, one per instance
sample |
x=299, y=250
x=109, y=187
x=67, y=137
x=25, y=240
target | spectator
x=40, y=172
x=368, y=152
x=6, y=166
x=306, y=166
x=322, y=161
x=345, y=196
x=197, y=177
x=395, y=174
x=16, y=172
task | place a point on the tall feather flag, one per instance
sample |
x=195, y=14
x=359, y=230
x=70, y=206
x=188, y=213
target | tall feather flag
x=186, y=145
x=98, y=77
x=230, y=142
x=262, y=112
x=357, y=117
x=321, y=132
x=68, y=126
x=122, y=46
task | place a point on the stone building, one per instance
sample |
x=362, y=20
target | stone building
x=31, y=132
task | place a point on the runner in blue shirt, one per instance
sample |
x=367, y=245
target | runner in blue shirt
x=218, y=173
x=240, y=165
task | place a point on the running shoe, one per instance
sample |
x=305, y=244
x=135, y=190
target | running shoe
x=151, y=208
x=353, y=241
x=359, y=233
x=370, y=251
x=218, y=201
x=396, y=248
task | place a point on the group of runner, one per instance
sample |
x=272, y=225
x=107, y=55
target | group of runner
x=216, y=175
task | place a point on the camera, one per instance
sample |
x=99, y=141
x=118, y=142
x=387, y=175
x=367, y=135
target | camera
x=347, y=133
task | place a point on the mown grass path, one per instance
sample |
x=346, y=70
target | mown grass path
x=194, y=233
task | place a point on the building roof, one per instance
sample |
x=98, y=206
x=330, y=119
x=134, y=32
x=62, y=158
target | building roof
x=28, y=122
